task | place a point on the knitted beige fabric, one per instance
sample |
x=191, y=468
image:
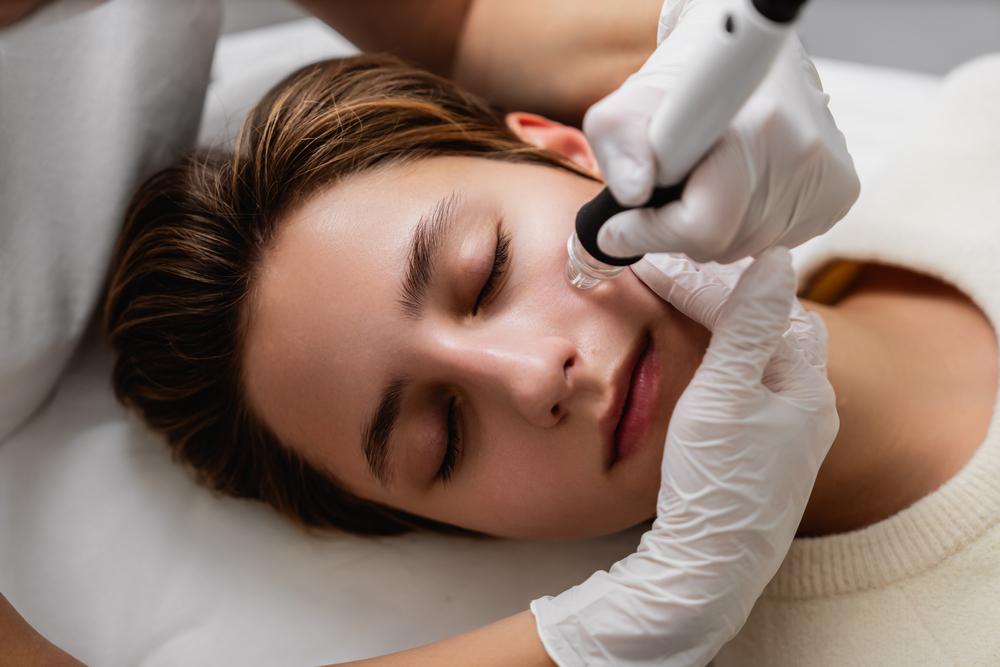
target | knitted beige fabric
x=923, y=586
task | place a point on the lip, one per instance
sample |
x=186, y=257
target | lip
x=622, y=384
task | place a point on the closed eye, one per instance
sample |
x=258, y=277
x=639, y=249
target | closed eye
x=501, y=262
x=455, y=438
x=454, y=446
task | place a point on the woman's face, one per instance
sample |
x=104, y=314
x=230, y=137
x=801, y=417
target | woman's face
x=531, y=367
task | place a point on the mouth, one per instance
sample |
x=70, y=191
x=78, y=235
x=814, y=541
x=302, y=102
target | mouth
x=633, y=404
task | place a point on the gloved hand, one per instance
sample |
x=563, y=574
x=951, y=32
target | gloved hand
x=780, y=174
x=744, y=445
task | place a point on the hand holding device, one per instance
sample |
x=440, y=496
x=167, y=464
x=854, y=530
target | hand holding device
x=729, y=118
x=744, y=445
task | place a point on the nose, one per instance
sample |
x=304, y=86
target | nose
x=534, y=373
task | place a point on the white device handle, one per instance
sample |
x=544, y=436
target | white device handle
x=723, y=74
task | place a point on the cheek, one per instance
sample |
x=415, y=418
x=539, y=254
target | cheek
x=687, y=342
x=556, y=501
x=542, y=204
x=538, y=491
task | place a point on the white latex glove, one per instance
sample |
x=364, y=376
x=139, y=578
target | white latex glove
x=780, y=174
x=744, y=445
x=675, y=277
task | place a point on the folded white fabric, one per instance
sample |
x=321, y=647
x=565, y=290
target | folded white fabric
x=92, y=101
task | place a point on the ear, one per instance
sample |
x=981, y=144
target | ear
x=564, y=140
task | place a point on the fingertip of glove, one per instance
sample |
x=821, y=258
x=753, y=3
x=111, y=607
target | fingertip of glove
x=764, y=294
x=612, y=242
x=777, y=254
x=771, y=273
x=621, y=148
x=819, y=324
x=629, y=179
x=822, y=338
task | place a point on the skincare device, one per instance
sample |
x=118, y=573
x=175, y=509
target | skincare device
x=701, y=106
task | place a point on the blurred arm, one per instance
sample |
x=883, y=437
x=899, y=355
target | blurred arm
x=12, y=11
x=555, y=57
x=20, y=644
x=510, y=642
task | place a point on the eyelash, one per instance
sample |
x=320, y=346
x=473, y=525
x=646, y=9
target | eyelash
x=454, y=446
x=501, y=260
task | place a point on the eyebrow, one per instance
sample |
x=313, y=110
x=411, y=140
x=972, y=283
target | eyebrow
x=424, y=251
x=378, y=430
x=426, y=243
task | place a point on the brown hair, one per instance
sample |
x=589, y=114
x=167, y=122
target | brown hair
x=195, y=234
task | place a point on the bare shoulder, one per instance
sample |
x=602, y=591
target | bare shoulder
x=12, y=11
x=951, y=346
x=509, y=641
x=21, y=644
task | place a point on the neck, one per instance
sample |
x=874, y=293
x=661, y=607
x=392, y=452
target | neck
x=906, y=425
x=859, y=476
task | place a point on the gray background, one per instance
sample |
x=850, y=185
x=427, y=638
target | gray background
x=926, y=35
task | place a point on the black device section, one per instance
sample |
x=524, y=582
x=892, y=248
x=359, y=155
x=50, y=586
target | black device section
x=592, y=216
x=779, y=11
